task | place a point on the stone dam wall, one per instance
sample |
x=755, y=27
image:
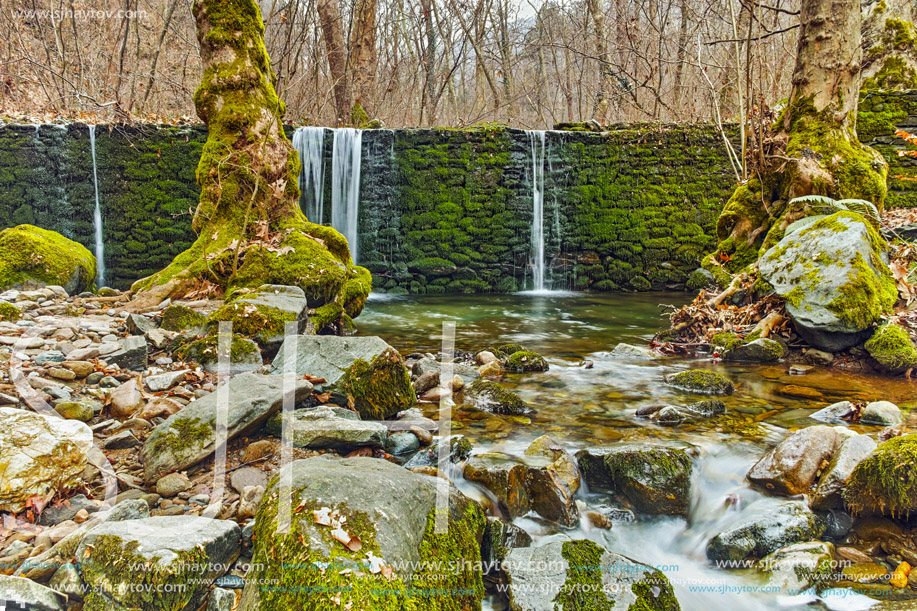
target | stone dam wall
x=440, y=210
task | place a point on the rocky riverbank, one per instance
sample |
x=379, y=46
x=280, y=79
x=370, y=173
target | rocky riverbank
x=112, y=443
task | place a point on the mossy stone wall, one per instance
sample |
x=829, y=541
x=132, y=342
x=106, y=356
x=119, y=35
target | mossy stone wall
x=441, y=210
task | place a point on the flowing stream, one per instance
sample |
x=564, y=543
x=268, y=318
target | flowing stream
x=583, y=407
x=97, y=215
x=345, y=184
x=309, y=142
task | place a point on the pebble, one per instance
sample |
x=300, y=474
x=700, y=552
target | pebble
x=172, y=484
x=109, y=382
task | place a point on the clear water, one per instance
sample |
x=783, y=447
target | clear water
x=309, y=142
x=97, y=215
x=345, y=184
x=587, y=407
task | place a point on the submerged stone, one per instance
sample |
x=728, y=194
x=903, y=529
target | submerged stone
x=703, y=382
x=765, y=528
x=494, y=397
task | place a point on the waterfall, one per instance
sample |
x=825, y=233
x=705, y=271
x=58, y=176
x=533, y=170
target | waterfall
x=345, y=184
x=97, y=215
x=537, y=144
x=310, y=144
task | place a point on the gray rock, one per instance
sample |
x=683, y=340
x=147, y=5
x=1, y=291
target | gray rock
x=247, y=477
x=459, y=449
x=468, y=373
x=819, y=357
x=761, y=350
x=166, y=543
x=835, y=282
x=51, y=356
x=330, y=428
x=500, y=537
x=221, y=600
x=165, y=381
x=137, y=324
x=655, y=479
x=190, y=435
x=27, y=441
x=132, y=355
x=799, y=566
x=836, y=413
x=121, y=441
x=33, y=596
x=766, y=527
x=290, y=300
x=848, y=455
x=55, y=515
x=171, y=484
x=395, y=507
x=68, y=582
x=403, y=442
x=329, y=356
x=882, y=413
x=792, y=466
x=628, y=351
x=537, y=575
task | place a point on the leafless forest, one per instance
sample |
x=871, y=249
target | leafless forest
x=433, y=62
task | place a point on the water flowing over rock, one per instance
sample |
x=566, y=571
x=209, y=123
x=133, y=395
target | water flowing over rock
x=374, y=514
x=582, y=575
x=655, y=479
x=160, y=551
x=765, y=528
x=797, y=567
x=834, y=278
x=97, y=214
x=39, y=454
x=309, y=142
x=190, y=435
x=345, y=185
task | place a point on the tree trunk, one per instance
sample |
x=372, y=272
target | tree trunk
x=329, y=15
x=363, y=56
x=821, y=153
x=889, y=48
x=251, y=230
x=603, y=95
x=428, y=106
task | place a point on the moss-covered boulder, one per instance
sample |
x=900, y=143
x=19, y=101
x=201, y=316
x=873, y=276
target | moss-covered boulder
x=31, y=257
x=244, y=354
x=885, y=482
x=702, y=382
x=524, y=361
x=761, y=350
x=765, y=527
x=182, y=318
x=655, y=479
x=381, y=387
x=9, y=312
x=495, y=398
x=834, y=278
x=581, y=574
x=375, y=518
x=174, y=557
x=262, y=314
x=892, y=349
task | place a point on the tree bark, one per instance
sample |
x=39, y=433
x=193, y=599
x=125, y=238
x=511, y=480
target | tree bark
x=251, y=230
x=363, y=53
x=329, y=15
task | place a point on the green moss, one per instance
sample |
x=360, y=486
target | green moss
x=702, y=381
x=654, y=593
x=885, y=482
x=260, y=322
x=356, y=290
x=380, y=389
x=497, y=399
x=9, y=312
x=327, y=315
x=583, y=590
x=722, y=277
x=738, y=241
x=867, y=296
x=182, y=434
x=895, y=74
x=892, y=348
x=526, y=360
x=206, y=349
x=31, y=256
x=182, y=318
x=726, y=340
x=114, y=567
x=506, y=350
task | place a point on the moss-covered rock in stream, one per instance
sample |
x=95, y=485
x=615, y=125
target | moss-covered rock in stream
x=834, y=278
x=655, y=479
x=32, y=257
x=891, y=347
x=493, y=397
x=702, y=382
x=263, y=314
x=525, y=361
x=764, y=528
x=398, y=557
x=380, y=388
x=583, y=575
x=885, y=483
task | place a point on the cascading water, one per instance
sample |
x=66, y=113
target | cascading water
x=309, y=142
x=97, y=214
x=537, y=145
x=345, y=184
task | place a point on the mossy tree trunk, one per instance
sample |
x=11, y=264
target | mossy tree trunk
x=814, y=148
x=251, y=230
x=889, y=45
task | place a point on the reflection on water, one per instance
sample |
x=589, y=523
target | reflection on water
x=583, y=407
